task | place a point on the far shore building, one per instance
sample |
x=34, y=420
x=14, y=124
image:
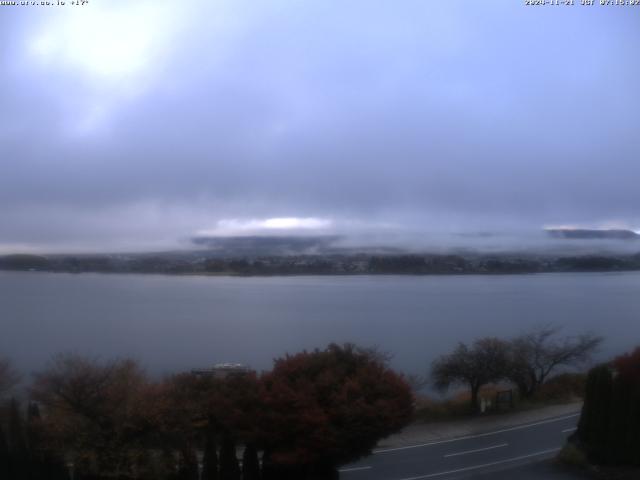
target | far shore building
x=222, y=370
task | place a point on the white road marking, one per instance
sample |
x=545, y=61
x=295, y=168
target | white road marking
x=476, y=450
x=476, y=467
x=480, y=435
x=569, y=429
x=353, y=469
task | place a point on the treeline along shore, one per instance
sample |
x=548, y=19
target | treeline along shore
x=208, y=263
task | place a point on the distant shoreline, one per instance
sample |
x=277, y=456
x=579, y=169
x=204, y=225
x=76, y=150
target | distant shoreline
x=203, y=264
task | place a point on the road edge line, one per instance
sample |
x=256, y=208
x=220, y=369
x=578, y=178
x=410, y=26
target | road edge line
x=479, y=435
x=491, y=464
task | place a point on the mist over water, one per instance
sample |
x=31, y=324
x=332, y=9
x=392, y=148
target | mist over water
x=173, y=323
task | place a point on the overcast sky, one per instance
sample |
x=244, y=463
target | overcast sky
x=136, y=125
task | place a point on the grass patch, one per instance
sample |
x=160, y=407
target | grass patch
x=572, y=456
x=455, y=407
x=561, y=389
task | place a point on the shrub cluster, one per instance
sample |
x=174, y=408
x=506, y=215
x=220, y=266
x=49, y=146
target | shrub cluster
x=312, y=412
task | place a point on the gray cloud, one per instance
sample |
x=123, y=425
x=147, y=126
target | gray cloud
x=421, y=117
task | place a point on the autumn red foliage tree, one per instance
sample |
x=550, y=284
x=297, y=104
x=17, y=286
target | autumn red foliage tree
x=328, y=407
x=234, y=407
x=628, y=366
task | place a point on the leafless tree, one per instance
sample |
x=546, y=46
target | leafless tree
x=417, y=382
x=484, y=362
x=536, y=354
x=376, y=352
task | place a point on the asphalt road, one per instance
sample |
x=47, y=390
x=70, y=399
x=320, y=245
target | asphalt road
x=521, y=452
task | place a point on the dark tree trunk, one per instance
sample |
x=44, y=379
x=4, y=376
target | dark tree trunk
x=268, y=470
x=535, y=383
x=188, y=465
x=229, y=468
x=523, y=389
x=271, y=471
x=275, y=471
x=18, y=452
x=4, y=456
x=526, y=384
x=323, y=472
x=167, y=463
x=210, y=459
x=250, y=463
x=38, y=468
x=475, y=389
x=54, y=468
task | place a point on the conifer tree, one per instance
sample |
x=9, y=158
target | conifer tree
x=210, y=458
x=624, y=446
x=250, y=463
x=609, y=428
x=37, y=466
x=268, y=470
x=18, y=452
x=229, y=468
x=593, y=428
x=188, y=469
x=4, y=456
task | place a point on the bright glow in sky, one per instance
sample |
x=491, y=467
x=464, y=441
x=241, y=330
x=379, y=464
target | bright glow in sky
x=235, y=226
x=292, y=222
x=104, y=40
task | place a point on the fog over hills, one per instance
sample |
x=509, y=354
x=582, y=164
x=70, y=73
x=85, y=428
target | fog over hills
x=558, y=250
x=561, y=241
x=558, y=241
x=408, y=127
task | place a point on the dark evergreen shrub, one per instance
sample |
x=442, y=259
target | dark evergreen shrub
x=210, y=459
x=250, y=463
x=229, y=468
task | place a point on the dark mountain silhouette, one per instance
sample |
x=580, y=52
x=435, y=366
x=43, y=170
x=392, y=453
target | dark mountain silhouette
x=267, y=245
x=593, y=234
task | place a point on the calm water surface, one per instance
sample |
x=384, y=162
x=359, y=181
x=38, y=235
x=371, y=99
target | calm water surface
x=176, y=322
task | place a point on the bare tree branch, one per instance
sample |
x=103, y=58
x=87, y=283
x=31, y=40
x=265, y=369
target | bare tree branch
x=537, y=353
x=486, y=361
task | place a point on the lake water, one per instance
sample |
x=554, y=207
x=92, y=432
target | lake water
x=172, y=323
